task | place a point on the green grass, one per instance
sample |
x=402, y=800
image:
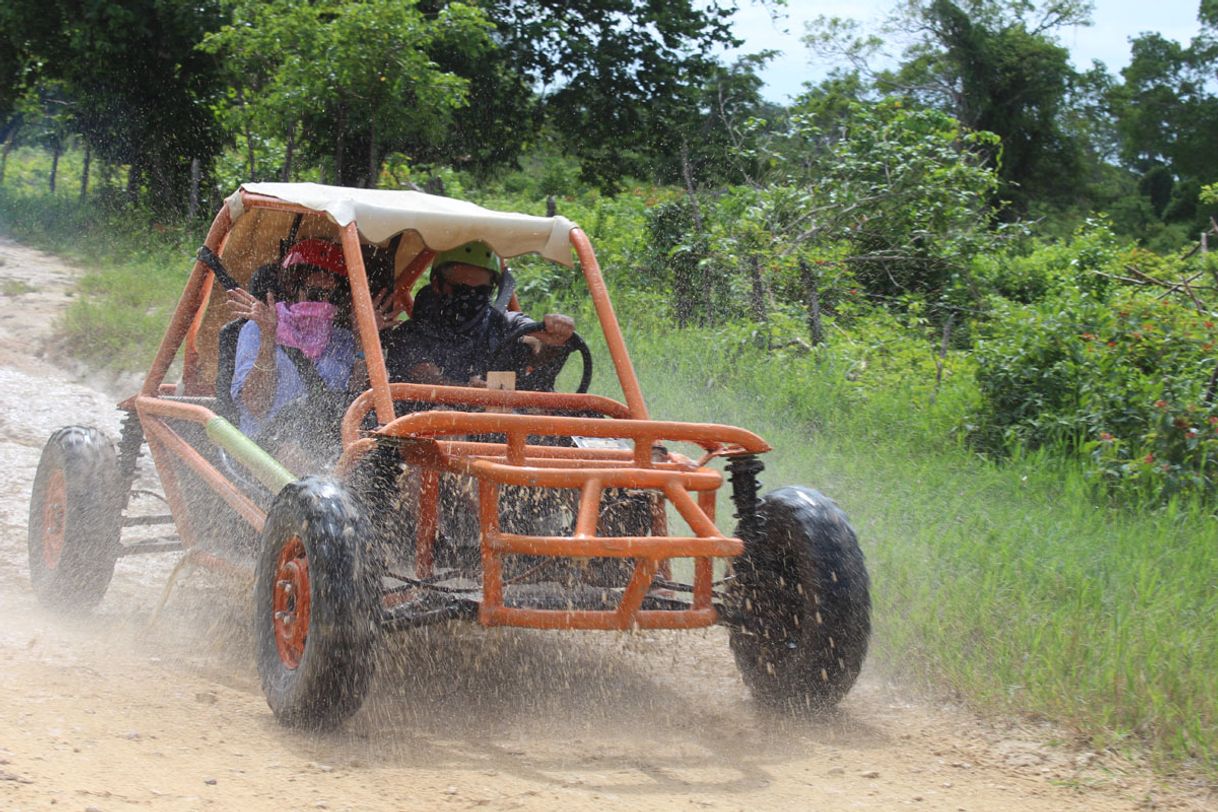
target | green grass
x=135, y=271
x=1009, y=586
x=1006, y=585
x=15, y=287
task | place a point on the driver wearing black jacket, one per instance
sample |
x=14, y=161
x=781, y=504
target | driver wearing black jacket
x=454, y=329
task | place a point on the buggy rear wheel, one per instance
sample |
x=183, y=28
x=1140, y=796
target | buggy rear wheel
x=801, y=596
x=316, y=602
x=75, y=519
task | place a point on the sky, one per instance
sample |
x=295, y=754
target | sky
x=1116, y=22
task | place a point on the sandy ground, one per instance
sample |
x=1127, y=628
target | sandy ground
x=121, y=710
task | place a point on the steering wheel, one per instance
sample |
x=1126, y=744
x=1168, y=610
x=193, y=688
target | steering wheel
x=542, y=378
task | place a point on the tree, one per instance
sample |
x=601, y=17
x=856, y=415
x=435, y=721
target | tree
x=139, y=92
x=613, y=73
x=347, y=80
x=905, y=189
x=705, y=138
x=894, y=200
x=1166, y=112
x=993, y=66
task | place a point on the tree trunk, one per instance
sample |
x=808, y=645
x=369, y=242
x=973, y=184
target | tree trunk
x=196, y=175
x=9, y=143
x=688, y=174
x=249, y=136
x=286, y=177
x=942, y=356
x=812, y=299
x=374, y=166
x=55, y=153
x=340, y=144
x=435, y=186
x=164, y=190
x=84, y=173
x=133, y=182
x=757, y=300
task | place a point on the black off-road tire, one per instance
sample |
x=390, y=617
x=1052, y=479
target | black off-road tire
x=315, y=544
x=801, y=602
x=75, y=520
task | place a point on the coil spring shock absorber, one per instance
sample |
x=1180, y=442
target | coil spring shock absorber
x=129, y=444
x=743, y=471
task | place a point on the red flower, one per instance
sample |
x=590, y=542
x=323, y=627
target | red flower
x=1213, y=420
x=1209, y=325
x=1160, y=404
x=1111, y=343
x=1148, y=459
x=1180, y=423
x=1106, y=437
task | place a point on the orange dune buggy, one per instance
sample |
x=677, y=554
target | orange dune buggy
x=508, y=507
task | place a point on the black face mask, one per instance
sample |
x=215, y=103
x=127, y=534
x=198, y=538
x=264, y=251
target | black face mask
x=461, y=308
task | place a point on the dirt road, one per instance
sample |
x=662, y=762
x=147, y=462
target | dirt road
x=116, y=712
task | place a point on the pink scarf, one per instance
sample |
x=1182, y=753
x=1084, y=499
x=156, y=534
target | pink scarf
x=306, y=326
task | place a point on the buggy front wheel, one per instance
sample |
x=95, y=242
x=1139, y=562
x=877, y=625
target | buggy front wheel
x=316, y=602
x=75, y=519
x=801, y=601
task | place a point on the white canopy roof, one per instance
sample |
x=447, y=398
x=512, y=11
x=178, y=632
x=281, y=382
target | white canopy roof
x=442, y=222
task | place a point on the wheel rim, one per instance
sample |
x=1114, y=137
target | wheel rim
x=54, y=513
x=290, y=602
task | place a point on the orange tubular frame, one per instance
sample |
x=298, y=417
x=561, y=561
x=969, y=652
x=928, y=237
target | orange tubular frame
x=436, y=442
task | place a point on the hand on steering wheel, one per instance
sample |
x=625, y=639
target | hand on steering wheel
x=547, y=333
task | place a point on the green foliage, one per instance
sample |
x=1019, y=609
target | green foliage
x=351, y=80
x=1116, y=374
x=1005, y=78
x=618, y=73
x=138, y=92
x=895, y=202
x=1047, y=267
x=994, y=67
x=131, y=284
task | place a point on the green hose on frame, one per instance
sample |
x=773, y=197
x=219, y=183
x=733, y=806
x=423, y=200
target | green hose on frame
x=265, y=468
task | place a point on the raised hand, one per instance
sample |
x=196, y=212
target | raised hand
x=386, y=310
x=243, y=305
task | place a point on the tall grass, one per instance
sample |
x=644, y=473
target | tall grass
x=1008, y=585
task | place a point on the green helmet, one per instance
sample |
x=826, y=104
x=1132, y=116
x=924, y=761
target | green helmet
x=476, y=253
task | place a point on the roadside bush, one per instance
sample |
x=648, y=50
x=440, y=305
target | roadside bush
x=1123, y=380
x=1086, y=260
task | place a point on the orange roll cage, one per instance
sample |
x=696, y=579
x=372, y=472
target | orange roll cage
x=435, y=441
